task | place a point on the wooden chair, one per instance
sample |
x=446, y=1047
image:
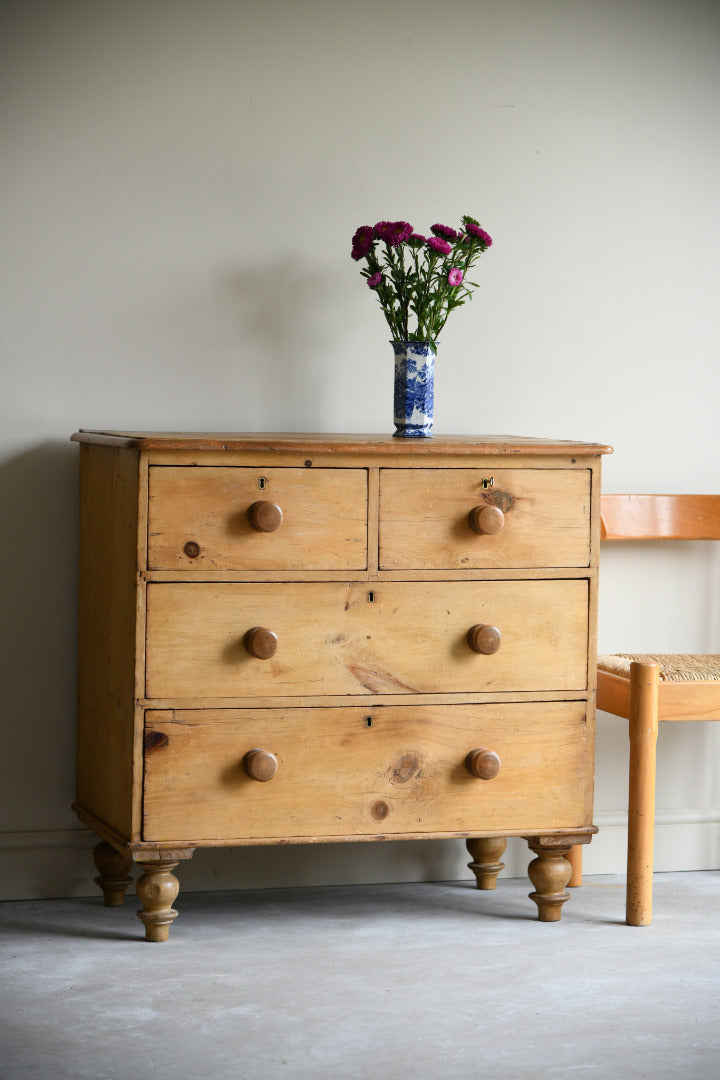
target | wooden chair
x=648, y=688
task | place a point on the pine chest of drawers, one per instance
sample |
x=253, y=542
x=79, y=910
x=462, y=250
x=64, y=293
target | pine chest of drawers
x=291, y=639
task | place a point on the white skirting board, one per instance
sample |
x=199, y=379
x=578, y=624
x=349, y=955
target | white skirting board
x=42, y=865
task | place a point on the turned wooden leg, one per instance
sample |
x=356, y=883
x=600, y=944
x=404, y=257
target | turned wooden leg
x=157, y=889
x=574, y=857
x=643, y=729
x=486, y=852
x=549, y=873
x=113, y=868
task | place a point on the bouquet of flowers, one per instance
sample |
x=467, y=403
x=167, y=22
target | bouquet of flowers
x=414, y=275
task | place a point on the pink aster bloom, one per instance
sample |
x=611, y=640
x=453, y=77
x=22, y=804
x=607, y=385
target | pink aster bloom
x=393, y=232
x=479, y=234
x=440, y=246
x=374, y=280
x=444, y=232
x=455, y=277
x=362, y=242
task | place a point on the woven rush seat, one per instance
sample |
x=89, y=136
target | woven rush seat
x=677, y=667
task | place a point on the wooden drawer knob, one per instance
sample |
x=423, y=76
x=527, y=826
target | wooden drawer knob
x=484, y=764
x=483, y=638
x=260, y=764
x=261, y=642
x=265, y=516
x=486, y=519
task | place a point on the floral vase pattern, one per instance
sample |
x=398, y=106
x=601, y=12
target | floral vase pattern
x=414, y=388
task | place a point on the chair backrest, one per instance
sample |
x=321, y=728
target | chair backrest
x=660, y=517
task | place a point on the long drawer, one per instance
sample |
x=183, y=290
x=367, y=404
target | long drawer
x=363, y=772
x=365, y=638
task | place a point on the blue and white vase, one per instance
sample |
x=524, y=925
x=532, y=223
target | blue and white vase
x=414, y=389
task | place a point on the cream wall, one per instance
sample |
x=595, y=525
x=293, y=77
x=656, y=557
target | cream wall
x=179, y=185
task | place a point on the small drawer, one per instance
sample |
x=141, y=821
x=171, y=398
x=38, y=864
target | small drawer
x=238, y=518
x=391, y=637
x=464, y=519
x=353, y=773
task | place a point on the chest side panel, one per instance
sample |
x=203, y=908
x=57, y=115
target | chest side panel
x=110, y=610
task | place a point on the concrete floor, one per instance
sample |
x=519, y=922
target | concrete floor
x=376, y=982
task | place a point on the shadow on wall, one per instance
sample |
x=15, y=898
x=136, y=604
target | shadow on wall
x=288, y=317
x=38, y=579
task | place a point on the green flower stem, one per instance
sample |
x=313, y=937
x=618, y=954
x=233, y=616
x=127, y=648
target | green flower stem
x=395, y=261
x=423, y=303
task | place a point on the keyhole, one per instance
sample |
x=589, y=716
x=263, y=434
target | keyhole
x=488, y=482
x=371, y=597
x=262, y=482
x=368, y=721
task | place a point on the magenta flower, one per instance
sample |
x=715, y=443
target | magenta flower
x=440, y=246
x=478, y=233
x=444, y=232
x=362, y=242
x=393, y=232
x=419, y=279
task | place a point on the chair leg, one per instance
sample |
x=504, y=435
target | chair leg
x=643, y=729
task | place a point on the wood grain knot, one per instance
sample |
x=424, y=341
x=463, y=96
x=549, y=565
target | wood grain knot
x=191, y=549
x=502, y=499
x=155, y=740
x=380, y=810
x=405, y=768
